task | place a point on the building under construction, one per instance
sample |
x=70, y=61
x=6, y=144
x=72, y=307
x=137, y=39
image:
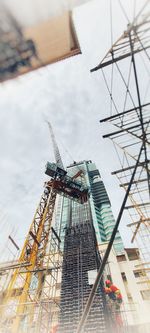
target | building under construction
x=68, y=276
x=80, y=258
x=49, y=285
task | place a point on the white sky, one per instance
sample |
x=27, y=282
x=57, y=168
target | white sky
x=74, y=100
x=29, y=12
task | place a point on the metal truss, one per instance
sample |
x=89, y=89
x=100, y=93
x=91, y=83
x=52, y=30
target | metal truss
x=32, y=285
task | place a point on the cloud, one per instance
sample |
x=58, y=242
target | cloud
x=33, y=11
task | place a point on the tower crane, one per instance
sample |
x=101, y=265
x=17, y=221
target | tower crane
x=25, y=294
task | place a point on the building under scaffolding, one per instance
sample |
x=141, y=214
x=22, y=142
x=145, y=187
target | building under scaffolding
x=47, y=288
x=80, y=258
x=30, y=300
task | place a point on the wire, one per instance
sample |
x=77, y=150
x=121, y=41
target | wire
x=109, y=92
x=126, y=84
x=134, y=9
x=124, y=12
x=111, y=25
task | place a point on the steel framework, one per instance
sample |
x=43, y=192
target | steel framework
x=131, y=138
x=81, y=257
x=24, y=288
x=133, y=125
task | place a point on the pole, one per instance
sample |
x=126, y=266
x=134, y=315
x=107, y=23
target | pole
x=101, y=269
x=140, y=111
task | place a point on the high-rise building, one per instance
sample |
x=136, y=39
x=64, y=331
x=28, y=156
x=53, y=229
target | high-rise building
x=80, y=230
x=99, y=206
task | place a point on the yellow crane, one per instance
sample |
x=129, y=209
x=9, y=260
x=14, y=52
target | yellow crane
x=27, y=302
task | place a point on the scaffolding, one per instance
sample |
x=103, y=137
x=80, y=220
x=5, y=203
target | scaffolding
x=80, y=258
x=129, y=61
x=22, y=300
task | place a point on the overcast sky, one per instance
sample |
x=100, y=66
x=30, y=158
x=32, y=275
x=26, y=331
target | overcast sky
x=74, y=100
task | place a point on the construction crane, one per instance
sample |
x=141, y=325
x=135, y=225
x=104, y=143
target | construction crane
x=25, y=305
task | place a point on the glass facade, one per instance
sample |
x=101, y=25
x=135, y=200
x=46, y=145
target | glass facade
x=98, y=207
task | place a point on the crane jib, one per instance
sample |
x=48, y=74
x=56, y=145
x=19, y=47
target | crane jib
x=65, y=185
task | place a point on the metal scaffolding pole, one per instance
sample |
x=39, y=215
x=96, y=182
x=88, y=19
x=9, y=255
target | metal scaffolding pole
x=102, y=266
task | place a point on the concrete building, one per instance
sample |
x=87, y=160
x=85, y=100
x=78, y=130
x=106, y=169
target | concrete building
x=126, y=272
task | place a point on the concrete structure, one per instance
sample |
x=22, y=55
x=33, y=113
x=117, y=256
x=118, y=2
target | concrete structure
x=126, y=272
x=45, y=37
x=80, y=259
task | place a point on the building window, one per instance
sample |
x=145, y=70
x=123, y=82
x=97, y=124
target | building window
x=133, y=254
x=138, y=273
x=129, y=297
x=145, y=295
x=121, y=258
x=124, y=278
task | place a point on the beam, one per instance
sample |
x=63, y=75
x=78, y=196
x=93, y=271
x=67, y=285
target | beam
x=55, y=233
x=14, y=243
x=48, y=270
x=145, y=281
x=124, y=130
x=134, y=182
x=143, y=264
x=128, y=168
x=134, y=223
x=14, y=266
x=122, y=113
x=136, y=230
x=114, y=60
x=138, y=205
x=34, y=238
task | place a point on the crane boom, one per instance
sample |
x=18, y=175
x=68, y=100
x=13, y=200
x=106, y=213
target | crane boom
x=55, y=147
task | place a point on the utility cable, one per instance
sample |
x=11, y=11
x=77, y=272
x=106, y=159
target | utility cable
x=124, y=12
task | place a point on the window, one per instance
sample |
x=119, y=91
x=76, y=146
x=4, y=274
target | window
x=145, y=295
x=124, y=278
x=138, y=273
x=121, y=258
x=129, y=296
x=133, y=254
